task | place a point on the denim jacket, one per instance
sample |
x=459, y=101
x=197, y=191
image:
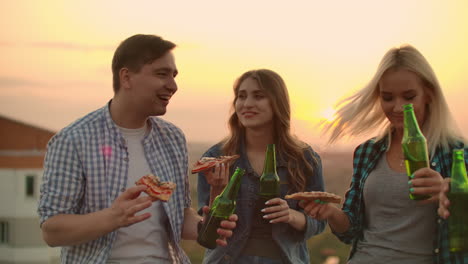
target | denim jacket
x=291, y=241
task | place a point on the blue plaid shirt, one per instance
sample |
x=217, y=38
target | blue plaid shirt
x=86, y=168
x=365, y=159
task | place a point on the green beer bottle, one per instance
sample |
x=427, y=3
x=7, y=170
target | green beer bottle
x=458, y=196
x=223, y=206
x=414, y=146
x=269, y=182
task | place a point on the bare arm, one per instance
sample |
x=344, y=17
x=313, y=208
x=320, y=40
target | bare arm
x=298, y=220
x=217, y=178
x=214, y=191
x=189, y=228
x=337, y=219
x=74, y=229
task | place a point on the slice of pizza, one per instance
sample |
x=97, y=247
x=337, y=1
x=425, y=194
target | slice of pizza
x=157, y=189
x=311, y=196
x=206, y=163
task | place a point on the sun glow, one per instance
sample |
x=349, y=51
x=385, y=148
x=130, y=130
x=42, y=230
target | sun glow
x=328, y=114
x=61, y=51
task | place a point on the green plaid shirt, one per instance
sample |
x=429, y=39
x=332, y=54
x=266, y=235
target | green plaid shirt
x=365, y=160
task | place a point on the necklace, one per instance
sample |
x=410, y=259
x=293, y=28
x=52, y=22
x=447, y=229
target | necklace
x=397, y=154
x=401, y=159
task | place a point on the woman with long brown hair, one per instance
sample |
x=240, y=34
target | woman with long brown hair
x=262, y=116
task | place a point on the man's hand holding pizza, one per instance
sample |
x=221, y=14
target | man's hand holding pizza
x=130, y=202
x=125, y=208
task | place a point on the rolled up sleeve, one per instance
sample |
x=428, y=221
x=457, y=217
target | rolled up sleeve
x=62, y=185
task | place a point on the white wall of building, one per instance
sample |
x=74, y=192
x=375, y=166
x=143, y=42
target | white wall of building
x=29, y=255
x=13, y=199
x=8, y=194
x=15, y=204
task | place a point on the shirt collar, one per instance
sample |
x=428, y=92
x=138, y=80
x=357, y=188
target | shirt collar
x=115, y=131
x=111, y=126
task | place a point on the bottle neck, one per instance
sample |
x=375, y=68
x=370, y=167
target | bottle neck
x=410, y=124
x=231, y=190
x=459, y=179
x=270, y=160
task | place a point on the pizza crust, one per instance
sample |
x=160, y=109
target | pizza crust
x=310, y=196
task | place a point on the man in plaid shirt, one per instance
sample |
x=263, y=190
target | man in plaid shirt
x=89, y=203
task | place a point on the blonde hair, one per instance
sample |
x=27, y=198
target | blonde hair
x=361, y=113
x=290, y=148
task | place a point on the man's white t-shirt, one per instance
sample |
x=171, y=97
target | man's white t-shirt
x=147, y=241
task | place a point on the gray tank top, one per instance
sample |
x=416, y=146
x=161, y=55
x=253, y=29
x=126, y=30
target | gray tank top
x=397, y=229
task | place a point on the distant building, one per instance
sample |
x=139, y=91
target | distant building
x=22, y=150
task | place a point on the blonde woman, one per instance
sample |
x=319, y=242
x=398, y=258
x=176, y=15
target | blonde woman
x=377, y=217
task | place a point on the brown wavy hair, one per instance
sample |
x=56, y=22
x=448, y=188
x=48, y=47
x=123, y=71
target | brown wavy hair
x=289, y=147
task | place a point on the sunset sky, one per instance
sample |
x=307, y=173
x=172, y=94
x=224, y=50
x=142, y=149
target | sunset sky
x=56, y=55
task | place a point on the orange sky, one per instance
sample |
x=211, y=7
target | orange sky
x=56, y=55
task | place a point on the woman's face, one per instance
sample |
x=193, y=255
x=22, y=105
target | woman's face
x=399, y=87
x=253, y=107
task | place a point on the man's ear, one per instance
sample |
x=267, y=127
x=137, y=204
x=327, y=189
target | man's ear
x=124, y=77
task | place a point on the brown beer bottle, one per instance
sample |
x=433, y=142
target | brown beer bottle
x=223, y=206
